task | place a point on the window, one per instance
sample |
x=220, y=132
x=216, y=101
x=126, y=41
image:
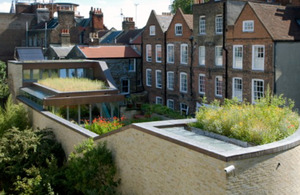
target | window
x=184, y=53
x=201, y=55
x=258, y=57
x=125, y=86
x=202, y=25
x=148, y=53
x=237, y=88
x=201, y=84
x=158, y=53
x=183, y=82
x=178, y=29
x=148, y=77
x=170, y=53
x=257, y=89
x=158, y=78
x=238, y=56
x=170, y=104
x=152, y=30
x=158, y=100
x=218, y=86
x=219, y=24
x=218, y=56
x=170, y=80
x=184, y=109
x=132, y=65
x=248, y=26
x=26, y=75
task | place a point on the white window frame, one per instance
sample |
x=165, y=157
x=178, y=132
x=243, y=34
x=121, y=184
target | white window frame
x=219, y=24
x=170, y=53
x=152, y=30
x=128, y=86
x=201, y=55
x=158, y=100
x=186, y=110
x=183, y=83
x=219, y=86
x=158, y=49
x=158, y=80
x=148, y=77
x=148, y=51
x=201, y=83
x=237, y=60
x=237, y=92
x=168, y=104
x=218, y=56
x=255, y=91
x=178, y=29
x=258, y=63
x=248, y=26
x=202, y=25
x=134, y=65
x=184, y=56
x=170, y=82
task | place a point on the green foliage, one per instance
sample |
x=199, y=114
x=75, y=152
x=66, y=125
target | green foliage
x=185, y=5
x=270, y=119
x=90, y=170
x=162, y=110
x=13, y=115
x=102, y=125
x=4, y=91
x=29, y=161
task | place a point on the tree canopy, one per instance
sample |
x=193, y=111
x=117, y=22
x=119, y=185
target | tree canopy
x=185, y=5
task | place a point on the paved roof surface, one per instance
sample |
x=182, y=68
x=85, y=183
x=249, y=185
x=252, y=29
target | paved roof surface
x=118, y=51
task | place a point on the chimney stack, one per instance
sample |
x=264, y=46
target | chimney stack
x=65, y=37
x=128, y=24
x=97, y=19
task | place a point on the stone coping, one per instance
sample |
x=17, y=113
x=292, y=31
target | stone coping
x=156, y=128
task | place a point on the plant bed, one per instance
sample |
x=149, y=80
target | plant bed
x=102, y=125
x=269, y=120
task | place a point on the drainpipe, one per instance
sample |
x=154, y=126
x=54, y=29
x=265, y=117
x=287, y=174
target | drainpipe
x=191, y=66
x=224, y=48
x=165, y=67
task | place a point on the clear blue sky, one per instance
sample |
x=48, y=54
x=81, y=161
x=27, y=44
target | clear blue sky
x=112, y=9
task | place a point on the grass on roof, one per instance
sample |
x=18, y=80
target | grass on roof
x=73, y=84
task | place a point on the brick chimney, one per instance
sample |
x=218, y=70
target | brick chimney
x=128, y=24
x=97, y=19
x=66, y=17
x=65, y=37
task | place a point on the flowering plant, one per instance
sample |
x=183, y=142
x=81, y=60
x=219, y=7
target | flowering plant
x=102, y=125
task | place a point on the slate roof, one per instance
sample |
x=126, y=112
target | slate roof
x=280, y=21
x=164, y=21
x=60, y=51
x=51, y=24
x=83, y=22
x=29, y=53
x=129, y=36
x=111, y=37
x=102, y=52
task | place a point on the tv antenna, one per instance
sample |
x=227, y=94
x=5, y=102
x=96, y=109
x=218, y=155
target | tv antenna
x=136, y=4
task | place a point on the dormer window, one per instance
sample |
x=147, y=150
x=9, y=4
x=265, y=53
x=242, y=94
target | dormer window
x=152, y=30
x=178, y=29
x=248, y=26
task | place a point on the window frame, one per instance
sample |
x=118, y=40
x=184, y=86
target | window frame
x=234, y=61
x=183, y=86
x=148, y=51
x=157, y=99
x=201, y=90
x=217, y=57
x=152, y=30
x=128, y=85
x=253, y=57
x=132, y=65
x=217, y=86
x=202, y=27
x=176, y=29
x=201, y=55
x=234, y=92
x=168, y=80
x=148, y=77
x=246, y=28
x=157, y=83
x=168, y=104
x=170, y=52
x=157, y=46
x=184, y=109
x=182, y=54
x=219, y=24
x=253, y=91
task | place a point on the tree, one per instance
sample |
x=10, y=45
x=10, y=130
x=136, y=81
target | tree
x=4, y=91
x=185, y=5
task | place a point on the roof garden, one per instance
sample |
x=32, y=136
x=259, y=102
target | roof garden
x=73, y=84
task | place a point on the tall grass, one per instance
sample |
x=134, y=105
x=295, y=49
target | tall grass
x=72, y=84
x=270, y=119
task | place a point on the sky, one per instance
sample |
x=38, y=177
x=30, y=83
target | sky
x=112, y=9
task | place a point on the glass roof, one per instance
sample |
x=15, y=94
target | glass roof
x=36, y=92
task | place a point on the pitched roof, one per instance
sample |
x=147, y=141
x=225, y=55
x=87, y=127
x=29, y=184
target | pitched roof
x=50, y=24
x=129, y=36
x=29, y=53
x=118, y=51
x=60, y=51
x=189, y=20
x=164, y=21
x=234, y=9
x=280, y=21
x=111, y=37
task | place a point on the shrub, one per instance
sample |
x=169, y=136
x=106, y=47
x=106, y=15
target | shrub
x=102, y=125
x=162, y=110
x=270, y=119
